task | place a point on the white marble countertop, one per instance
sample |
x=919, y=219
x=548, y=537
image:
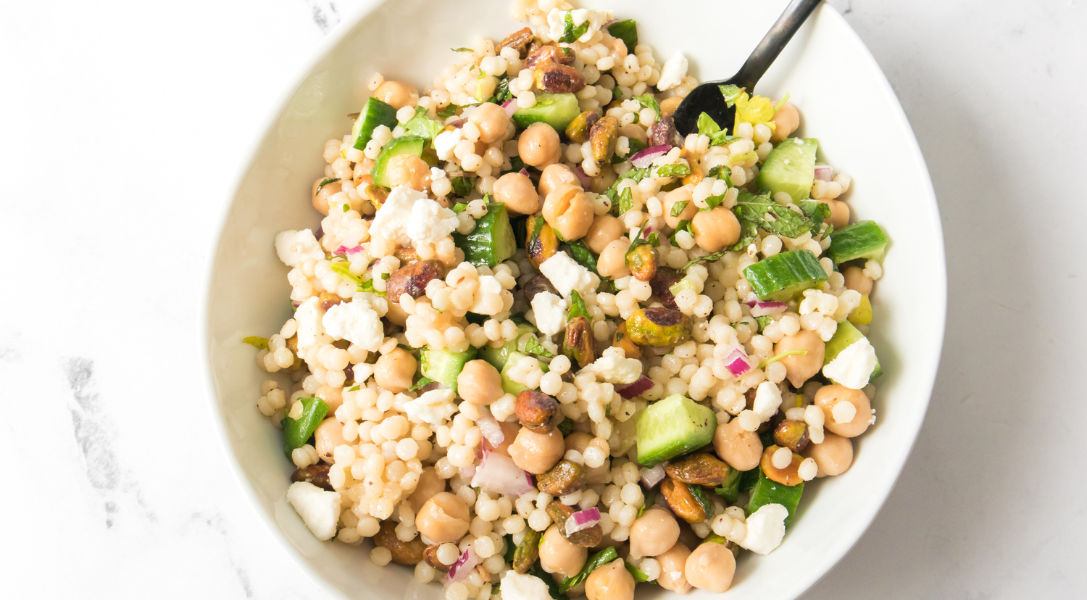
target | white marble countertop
x=123, y=121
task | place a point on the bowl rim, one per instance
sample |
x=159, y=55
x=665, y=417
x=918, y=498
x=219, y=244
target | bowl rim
x=824, y=563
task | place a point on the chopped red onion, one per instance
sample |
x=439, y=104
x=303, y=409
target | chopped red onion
x=639, y=387
x=824, y=173
x=584, y=178
x=345, y=250
x=737, y=362
x=498, y=474
x=510, y=106
x=762, y=309
x=460, y=570
x=645, y=157
x=583, y=519
x=651, y=477
x=489, y=427
x=523, y=171
x=468, y=472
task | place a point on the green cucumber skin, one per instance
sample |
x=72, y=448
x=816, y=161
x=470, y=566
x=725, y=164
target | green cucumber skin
x=498, y=357
x=782, y=276
x=844, y=337
x=510, y=386
x=768, y=491
x=374, y=113
x=672, y=427
x=863, y=239
x=790, y=168
x=557, y=110
x=444, y=366
x=492, y=241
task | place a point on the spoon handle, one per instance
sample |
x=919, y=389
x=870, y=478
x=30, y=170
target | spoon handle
x=774, y=42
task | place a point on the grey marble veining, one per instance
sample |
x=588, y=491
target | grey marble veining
x=122, y=123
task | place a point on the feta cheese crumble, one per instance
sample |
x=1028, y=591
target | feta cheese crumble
x=356, y=322
x=853, y=366
x=409, y=218
x=550, y=311
x=319, y=509
x=523, y=587
x=308, y=317
x=765, y=529
x=567, y=275
x=673, y=72
x=294, y=247
x=432, y=407
x=767, y=400
x=615, y=369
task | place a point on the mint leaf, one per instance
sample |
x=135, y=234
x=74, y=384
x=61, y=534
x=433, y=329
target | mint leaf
x=676, y=170
x=577, y=308
x=418, y=384
x=462, y=49
x=677, y=208
x=448, y=111
x=721, y=172
x=716, y=256
x=583, y=255
x=707, y=126
x=682, y=226
x=648, y=101
x=326, y=181
x=462, y=186
x=731, y=93
x=423, y=126
x=535, y=347
x=573, y=32
x=502, y=90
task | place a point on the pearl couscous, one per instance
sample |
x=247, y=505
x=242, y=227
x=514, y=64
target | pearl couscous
x=543, y=344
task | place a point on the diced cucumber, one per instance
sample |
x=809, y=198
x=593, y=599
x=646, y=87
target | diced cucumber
x=768, y=491
x=373, y=114
x=781, y=277
x=510, y=386
x=671, y=427
x=626, y=30
x=863, y=239
x=557, y=110
x=790, y=168
x=492, y=241
x=499, y=356
x=444, y=365
x=408, y=144
x=862, y=315
x=844, y=337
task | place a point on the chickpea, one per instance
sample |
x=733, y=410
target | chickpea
x=397, y=94
x=429, y=486
x=680, y=194
x=610, y=582
x=839, y=213
x=635, y=132
x=320, y=198
x=801, y=367
x=569, y=211
x=361, y=173
x=509, y=433
x=492, y=121
x=577, y=440
x=715, y=229
x=653, y=533
x=395, y=370
x=327, y=436
x=538, y=146
x=409, y=170
x=785, y=120
x=669, y=105
x=673, y=565
x=557, y=176
x=558, y=555
x=604, y=230
x=517, y=193
x=710, y=567
x=612, y=261
x=479, y=382
x=443, y=518
x=740, y=448
x=829, y=396
x=856, y=280
x=603, y=181
x=537, y=452
x=833, y=457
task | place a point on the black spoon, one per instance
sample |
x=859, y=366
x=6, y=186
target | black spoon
x=707, y=97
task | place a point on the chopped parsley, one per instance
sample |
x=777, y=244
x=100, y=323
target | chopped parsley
x=577, y=307
x=573, y=32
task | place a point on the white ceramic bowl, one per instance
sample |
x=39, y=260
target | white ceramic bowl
x=845, y=102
